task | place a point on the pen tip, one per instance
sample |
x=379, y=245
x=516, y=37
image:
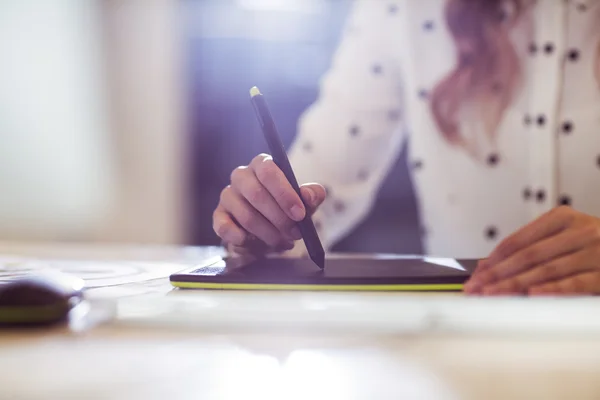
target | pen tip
x=254, y=91
x=319, y=259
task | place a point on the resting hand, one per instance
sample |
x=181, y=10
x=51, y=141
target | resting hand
x=559, y=253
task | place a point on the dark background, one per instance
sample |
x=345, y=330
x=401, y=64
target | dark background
x=283, y=47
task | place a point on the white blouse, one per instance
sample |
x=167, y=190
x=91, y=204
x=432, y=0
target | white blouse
x=374, y=100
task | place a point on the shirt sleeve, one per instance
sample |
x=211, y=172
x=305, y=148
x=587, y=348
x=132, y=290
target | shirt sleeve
x=349, y=138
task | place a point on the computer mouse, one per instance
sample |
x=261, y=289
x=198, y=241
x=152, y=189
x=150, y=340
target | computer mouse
x=39, y=299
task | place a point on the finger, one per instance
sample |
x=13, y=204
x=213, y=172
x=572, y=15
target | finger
x=314, y=195
x=227, y=229
x=274, y=180
x=482, y=264
x=469, y=286
x=580, y=284
x=245, y=182
x=248, y=218
x=547, y=225
x=243, y=250
x=553, y=270
x=259, y=248
x=565, y=242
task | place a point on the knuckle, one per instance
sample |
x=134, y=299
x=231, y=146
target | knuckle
x=267, y=171
x=566, y=213
x=263, y=156
x=225, y=193
x=246, y=219
x=562, y=210
x=256, y=193
x=238, y=174
x=259, y=159
x=221, y=229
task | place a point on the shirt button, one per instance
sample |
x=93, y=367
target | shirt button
x=573, y=55
x=417, y=165
x=532, y=48
x=541, y=120
x=318, y=226
x=564, y=200
x=339, y=206
x=491, y=233
x=362, y=175
x=354, y=131
x=394, y=115
x=493, y=159
x=540, y=196
x=567, y=127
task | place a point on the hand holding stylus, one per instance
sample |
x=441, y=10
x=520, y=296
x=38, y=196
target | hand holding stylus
x=258, y=212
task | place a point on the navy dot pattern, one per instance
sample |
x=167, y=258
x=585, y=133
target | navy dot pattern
x=536, y=120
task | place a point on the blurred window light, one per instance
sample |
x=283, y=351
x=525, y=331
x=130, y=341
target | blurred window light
x=56, y=163
x=260, y=20
x=299, y=6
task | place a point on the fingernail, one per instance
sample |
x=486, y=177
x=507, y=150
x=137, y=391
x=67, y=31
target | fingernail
x=297, y=213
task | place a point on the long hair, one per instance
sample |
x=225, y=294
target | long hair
x=487, y=73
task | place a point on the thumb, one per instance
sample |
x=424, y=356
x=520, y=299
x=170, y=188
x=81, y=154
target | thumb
x=313, y=194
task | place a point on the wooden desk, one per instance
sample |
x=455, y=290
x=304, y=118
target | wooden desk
x=120, y=362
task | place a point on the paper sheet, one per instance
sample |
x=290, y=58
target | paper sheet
x=96, y=274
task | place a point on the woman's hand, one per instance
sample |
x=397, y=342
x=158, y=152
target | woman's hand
x=257, y=213
x=559, y=253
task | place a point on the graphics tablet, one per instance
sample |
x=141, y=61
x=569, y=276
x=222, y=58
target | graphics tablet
x=343, y=273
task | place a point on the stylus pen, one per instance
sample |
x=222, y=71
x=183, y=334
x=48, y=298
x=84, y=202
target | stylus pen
x=306, y=226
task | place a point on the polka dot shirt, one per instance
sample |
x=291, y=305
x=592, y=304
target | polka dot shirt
x=375, y=98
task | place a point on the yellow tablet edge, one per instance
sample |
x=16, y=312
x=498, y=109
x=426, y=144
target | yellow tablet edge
x=308, y=287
